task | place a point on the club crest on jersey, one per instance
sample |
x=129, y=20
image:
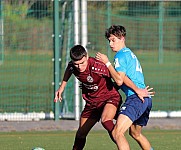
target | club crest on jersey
x=89, y=79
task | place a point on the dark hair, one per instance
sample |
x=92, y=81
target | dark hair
x=77, y=52
x=116, y=30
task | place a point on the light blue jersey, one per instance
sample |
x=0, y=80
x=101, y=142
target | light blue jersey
x=126, y=61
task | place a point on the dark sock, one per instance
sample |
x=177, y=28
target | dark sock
x=109, y=126
x=79, y=143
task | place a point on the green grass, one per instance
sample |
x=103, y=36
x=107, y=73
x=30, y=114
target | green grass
x=97, y=140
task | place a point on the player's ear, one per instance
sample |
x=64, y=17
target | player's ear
x=123, y=38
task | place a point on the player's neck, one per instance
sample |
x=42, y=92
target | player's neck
x=122, y=47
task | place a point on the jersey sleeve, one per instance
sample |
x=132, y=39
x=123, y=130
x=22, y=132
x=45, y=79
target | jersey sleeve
x=68, y=72
x=70, y=67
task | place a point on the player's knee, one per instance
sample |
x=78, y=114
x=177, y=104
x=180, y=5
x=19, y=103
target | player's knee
x=104, y=118
x=117, y=134
x=134, y=135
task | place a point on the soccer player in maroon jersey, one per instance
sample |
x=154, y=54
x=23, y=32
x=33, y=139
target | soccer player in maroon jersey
x=102, y=98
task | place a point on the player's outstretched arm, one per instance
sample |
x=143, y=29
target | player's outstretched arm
x=58, y=93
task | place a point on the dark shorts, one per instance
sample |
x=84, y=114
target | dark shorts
x=136, y=110
x=94, y=110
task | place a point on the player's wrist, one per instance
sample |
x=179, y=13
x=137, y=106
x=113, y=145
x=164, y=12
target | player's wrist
x=108, y=64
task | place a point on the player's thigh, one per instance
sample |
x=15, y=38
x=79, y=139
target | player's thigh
x=85, y=126
x=123, y=123
x=109, y=112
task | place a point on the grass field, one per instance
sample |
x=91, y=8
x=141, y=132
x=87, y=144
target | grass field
x=97, y=140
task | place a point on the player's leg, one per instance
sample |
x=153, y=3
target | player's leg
x=122, y=125
x=84, y=127
x=135, y=132
x=107, y=117
x=136, y=127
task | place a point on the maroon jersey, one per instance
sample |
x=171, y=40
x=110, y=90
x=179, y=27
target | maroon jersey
x=96, y=81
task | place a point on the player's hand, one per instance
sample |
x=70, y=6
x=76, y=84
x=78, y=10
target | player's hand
x=150, y=92
x=58, y=97
x=102, y=57
x=147, y=92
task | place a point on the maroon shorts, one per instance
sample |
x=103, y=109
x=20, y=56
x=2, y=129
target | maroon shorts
x=94, y=110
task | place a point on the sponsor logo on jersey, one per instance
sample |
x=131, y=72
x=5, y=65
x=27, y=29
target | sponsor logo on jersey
x=91, y=87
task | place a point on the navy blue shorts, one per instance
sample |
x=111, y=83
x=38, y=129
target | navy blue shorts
x=136, y=110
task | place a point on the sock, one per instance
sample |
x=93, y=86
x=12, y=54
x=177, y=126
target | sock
x=79, y=143
x=109, y=126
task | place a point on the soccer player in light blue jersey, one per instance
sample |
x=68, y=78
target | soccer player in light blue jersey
x=134, y=113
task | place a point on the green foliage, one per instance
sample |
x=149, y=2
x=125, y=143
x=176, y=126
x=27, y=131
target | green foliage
x=23, y=33
x=15, y=12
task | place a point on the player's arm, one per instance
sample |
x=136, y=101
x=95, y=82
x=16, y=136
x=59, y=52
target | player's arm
x=123, y=78
x=58, y=93
x=117, y=76
x=120, y=77
x=140, y=92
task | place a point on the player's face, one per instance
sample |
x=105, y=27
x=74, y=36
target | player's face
x=116, y=43
x=81, y=65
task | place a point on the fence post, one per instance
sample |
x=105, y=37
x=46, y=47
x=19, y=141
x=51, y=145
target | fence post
x=76, y=41
x=161, y=17
x=84, y=31
x=57, y=57
x=1, y=33
x=109, y=11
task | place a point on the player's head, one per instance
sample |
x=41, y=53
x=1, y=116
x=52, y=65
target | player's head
x=116, y=36
x=79, y=57
x=116, y=30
